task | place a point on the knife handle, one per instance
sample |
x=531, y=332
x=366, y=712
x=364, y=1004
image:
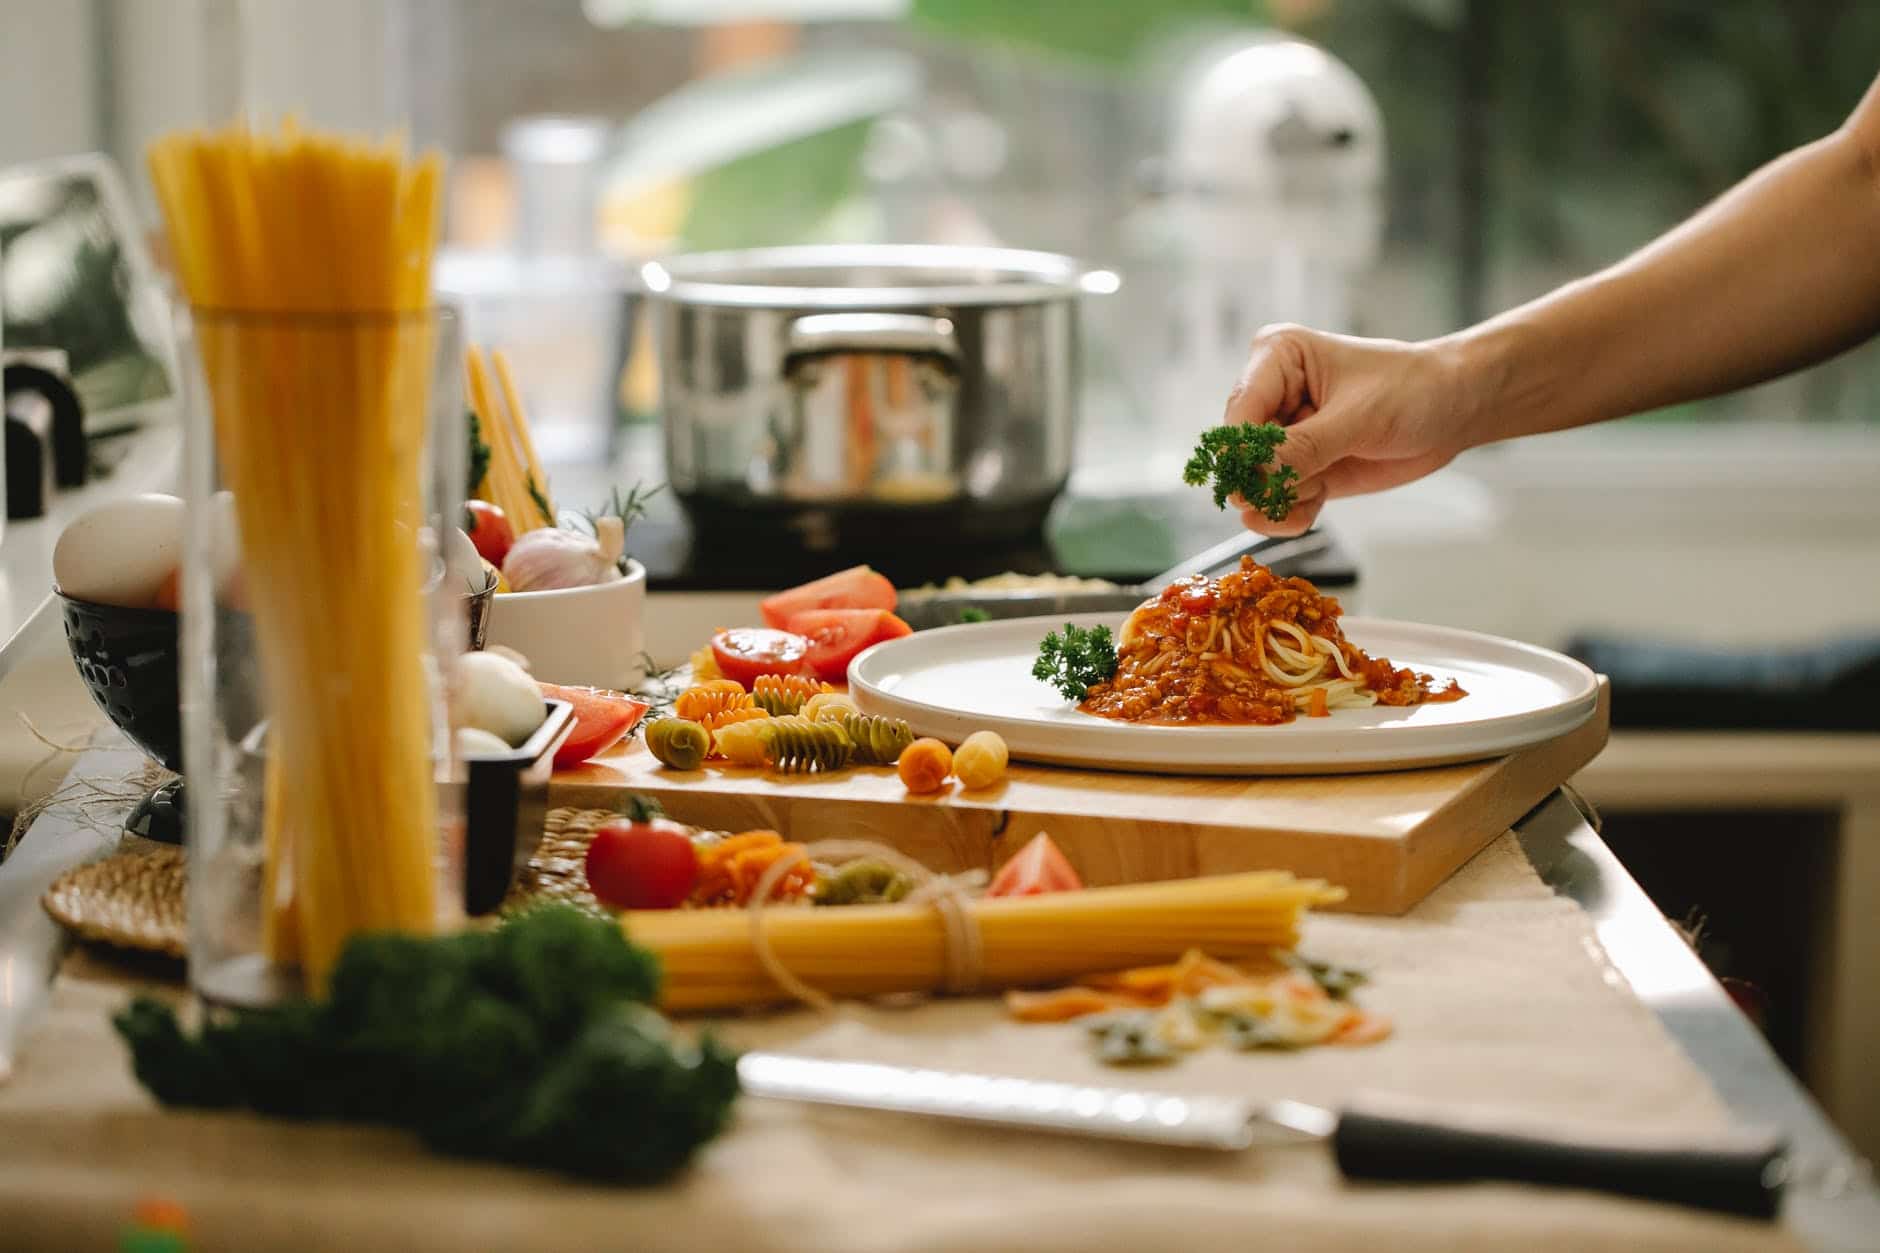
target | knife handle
x=1745, y=1180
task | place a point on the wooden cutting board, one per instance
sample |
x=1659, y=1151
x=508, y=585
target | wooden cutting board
x=1388, y=838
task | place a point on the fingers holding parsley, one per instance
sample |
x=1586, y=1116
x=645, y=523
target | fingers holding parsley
x=1239, y=460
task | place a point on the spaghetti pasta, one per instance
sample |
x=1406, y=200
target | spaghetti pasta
x=711, y=961
x=1247, y=647
x=514, y=481
x=307, y=259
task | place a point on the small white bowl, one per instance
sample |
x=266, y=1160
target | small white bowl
x=580, y=636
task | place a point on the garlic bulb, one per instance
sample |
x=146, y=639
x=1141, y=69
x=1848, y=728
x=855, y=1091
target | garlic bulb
x=496, y=695
x=551, y=557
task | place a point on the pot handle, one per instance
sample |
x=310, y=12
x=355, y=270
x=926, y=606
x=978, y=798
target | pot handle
x=818, y=333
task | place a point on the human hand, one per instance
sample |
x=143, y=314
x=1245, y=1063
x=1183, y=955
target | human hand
x=1360, y=415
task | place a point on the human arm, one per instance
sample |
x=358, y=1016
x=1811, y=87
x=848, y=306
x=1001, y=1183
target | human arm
x=1780, y=272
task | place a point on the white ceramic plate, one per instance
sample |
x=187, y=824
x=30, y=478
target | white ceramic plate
x=953, y=681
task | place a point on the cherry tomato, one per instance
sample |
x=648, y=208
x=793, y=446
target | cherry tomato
x=1039, y=867
x=648, y=864
x=744, y=653
x=601, y=717
x=489, y=529
x=836, y=635
x=858, y=587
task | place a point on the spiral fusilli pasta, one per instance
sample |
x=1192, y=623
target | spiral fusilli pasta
x=714, y=704
x=677, y=742
x=828, y=707
x=744, y=743
x=781, y=694
x=800, y=746
x=878, y=741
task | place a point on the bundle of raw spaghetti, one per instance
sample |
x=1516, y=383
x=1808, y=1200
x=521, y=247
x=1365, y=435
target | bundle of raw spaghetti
x=514, y=481
x=711, y=960
x=307, y=258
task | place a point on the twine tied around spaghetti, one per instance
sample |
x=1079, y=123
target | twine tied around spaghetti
x=950, y=895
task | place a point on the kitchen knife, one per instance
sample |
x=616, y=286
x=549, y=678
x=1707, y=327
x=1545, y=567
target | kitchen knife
x=1745, y=1178
x=923, y=610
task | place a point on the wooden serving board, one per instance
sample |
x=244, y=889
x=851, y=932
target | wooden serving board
x=1387, y=838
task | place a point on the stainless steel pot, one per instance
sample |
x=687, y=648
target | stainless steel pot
x=835, y=391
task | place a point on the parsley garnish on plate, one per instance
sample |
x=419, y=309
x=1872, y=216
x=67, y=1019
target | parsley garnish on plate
x=1237, y=458
x=1071, y=662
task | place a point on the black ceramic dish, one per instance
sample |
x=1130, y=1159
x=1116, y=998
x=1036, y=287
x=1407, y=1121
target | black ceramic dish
x=128, y=659
x=505, y=805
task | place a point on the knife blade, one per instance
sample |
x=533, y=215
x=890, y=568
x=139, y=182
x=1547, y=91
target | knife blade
x=1741, y=1178
x=924, y=610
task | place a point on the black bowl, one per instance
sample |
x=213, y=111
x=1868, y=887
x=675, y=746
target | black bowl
x=128, y=659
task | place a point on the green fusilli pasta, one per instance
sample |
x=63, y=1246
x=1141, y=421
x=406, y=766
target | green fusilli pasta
x=678, y=743
x=878, y=741
x=800, y=746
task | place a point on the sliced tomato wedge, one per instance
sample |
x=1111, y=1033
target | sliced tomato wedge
x=744, y=653
x=601, y=718
x=837, y=635
x=858, y=587
x=1039, y=867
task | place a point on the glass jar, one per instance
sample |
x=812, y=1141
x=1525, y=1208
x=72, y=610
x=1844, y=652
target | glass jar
x=322, y=454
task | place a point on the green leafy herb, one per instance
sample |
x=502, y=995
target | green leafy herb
x=1127, y=1038
x=1247, y=1032
x=479, y=459
x=660, y=688
x=540, y=497
x=1237, y=458
x=532, y=1044
x=1071, y=662
x=1337, y=981
x=973, y=613
x=629, y=508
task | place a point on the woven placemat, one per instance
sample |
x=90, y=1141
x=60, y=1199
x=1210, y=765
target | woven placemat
x=134, y=898
x=558, y=870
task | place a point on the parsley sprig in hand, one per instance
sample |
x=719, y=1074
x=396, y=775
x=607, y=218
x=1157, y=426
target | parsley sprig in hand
x=1237, y=458
x=1071, y=662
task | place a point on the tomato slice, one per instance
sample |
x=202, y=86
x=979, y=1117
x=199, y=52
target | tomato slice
x=837, y=635
x=601, y=717
x=744, y=653
x=1039, y=867
x=858, y=587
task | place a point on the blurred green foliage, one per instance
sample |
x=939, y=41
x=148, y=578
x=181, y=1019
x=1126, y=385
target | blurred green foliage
x=784, y=195
x=1607, y=122
x=1611, y=119
x=1109, y=32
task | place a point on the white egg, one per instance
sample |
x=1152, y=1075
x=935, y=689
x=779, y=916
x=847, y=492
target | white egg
x=121, y=553
x=476, y=742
